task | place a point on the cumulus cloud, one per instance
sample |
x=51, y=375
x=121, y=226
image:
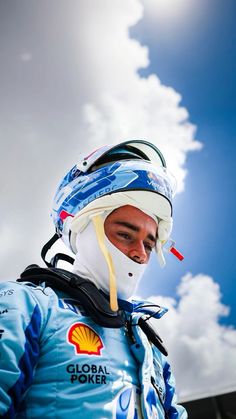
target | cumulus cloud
x=129, y=106
x=25, y=57
x=147, y=110
x=202, y=351
x=80, y=89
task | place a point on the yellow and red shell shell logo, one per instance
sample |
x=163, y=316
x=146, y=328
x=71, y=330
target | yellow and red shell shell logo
x=85, y=339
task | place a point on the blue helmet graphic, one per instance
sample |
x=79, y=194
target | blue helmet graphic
x=128, y=166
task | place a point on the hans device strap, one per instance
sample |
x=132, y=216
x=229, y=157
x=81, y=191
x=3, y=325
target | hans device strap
x=94, y=302
x=89, y=297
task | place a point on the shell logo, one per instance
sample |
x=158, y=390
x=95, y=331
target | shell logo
x=85, y=339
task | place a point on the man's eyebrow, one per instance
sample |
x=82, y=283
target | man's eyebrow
x=135, y=228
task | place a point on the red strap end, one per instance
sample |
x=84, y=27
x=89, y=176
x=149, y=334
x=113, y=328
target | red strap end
x=176, y=253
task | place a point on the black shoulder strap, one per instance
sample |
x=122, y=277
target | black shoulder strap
x=91, y=299
x=152, y=335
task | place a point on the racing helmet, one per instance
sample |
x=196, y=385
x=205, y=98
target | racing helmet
x=130, y=173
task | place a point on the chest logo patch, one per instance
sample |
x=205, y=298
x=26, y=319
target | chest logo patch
x=85, y=339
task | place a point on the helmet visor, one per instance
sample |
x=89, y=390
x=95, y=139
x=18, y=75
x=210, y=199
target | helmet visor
x=131, y=150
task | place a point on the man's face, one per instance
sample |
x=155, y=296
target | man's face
x=132, y=231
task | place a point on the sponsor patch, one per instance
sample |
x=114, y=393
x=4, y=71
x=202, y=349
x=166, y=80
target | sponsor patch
x=70, y=304
x=85, y=339
x=6, y=292
x=87, y=374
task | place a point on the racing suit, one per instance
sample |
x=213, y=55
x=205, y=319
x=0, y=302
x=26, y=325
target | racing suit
x=56, y=362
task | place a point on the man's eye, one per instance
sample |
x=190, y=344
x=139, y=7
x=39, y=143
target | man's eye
x=148, y=247
x=124, y=235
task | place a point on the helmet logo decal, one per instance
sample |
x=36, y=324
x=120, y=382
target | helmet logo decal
x=85, y=339
x=99, y=184
x=158, y=184
x=79, y=188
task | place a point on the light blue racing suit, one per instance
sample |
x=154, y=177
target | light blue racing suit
x=55, y=362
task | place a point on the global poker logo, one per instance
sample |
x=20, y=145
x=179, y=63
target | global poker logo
x=84, y=339
x=88, y=373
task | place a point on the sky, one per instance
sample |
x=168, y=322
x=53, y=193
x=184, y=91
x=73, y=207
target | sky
x=78, y=74
x=201, y=65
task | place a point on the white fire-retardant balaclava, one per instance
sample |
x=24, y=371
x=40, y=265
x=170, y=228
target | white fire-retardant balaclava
x=91, y=263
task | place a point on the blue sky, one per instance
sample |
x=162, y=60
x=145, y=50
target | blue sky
x=199, y=61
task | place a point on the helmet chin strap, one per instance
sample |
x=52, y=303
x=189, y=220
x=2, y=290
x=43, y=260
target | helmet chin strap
x=100, y=233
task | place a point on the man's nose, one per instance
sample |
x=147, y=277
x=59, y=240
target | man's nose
x=138, y=253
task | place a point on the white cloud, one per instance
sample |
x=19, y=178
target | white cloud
x=173, y=17
x=129, y=106
x=168, y=10
x=201, y=350
x=146, y=110
x=82, y=89
x=25, y=56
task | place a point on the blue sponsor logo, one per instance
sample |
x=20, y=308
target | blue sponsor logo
x=125, y=404
x=69, y=304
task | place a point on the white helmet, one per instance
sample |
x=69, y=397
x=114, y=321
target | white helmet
x=130, y=173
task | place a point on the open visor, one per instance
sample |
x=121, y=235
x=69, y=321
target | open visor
x=128, y=150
